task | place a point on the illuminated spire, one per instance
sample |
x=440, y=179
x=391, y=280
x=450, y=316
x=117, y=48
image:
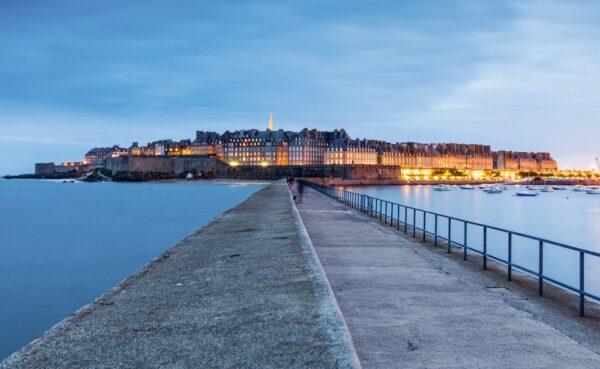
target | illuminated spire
x=270, y=121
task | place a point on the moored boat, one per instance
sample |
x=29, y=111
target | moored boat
x=579, y=189
x=494, y=190
x=441, y=188
x=527, y=193
x=532, y=188
x=593, y=191
x=547, y=189
x=559, y=188
x=467, y=187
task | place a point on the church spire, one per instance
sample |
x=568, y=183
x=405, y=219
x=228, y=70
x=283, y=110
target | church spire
x=270, y=121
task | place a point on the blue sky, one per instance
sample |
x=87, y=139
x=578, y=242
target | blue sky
x=521, y=75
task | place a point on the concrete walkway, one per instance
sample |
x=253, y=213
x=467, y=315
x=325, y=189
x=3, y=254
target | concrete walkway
x=407, y=306
x=246, y=291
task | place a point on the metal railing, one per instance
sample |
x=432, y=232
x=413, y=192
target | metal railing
x=404, y=218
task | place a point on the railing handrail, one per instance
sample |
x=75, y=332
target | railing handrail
x=374, y=206
x=516, y=233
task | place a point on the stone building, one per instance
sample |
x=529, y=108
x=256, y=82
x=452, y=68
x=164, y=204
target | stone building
x=307, y=147
x=345, y=151
x=525, y=161
x=435, y=156
x=96, y=156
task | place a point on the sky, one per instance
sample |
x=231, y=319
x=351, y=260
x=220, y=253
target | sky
x=517, y=75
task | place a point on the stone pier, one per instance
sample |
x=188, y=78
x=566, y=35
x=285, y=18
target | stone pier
x=409, y=305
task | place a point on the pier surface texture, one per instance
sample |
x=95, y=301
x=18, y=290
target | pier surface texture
x=246, y=291
x=409, y=306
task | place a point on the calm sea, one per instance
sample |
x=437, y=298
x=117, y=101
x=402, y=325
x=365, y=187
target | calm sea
x=62, y=245
x=569, y=217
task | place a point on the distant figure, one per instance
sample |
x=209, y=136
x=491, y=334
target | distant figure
x=290, y=183
x=300, y=190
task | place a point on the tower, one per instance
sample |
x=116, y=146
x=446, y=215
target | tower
x=270, y=121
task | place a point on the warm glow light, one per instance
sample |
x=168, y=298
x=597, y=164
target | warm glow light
x=264, y=164
x=477, y=174
x=234, y=163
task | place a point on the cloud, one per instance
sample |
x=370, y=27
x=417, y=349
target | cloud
x=537, y=89
x=519, y=74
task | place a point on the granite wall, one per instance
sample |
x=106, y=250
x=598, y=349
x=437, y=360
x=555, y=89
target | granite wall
x=219, y=169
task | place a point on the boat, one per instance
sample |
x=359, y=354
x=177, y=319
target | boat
x=593, y=191
x=532, y=188
x=484, y=186
x=527, y=193
x=441, y=188
x=494, y=190
x=467, y=187
x=579, y=189
x=559, y=188
x=547, y=189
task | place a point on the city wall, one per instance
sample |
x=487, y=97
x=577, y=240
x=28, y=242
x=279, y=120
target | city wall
x=218, y=169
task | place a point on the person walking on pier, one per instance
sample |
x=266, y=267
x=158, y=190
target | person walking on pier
x=300, y=187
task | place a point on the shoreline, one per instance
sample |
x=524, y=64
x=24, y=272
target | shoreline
x=391, y=182
x=132, y=177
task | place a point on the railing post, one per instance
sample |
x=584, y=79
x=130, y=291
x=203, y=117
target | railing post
x=484, y=248
x=398, y=215
x=380, y=209
x=424, y=226
x=435, y=230
x=449, y=235
x=414, y=223
x=465, y=243
x=510, y=256
x=541, y=269
x=405, y=220
x=581, y=284
x=385, y=214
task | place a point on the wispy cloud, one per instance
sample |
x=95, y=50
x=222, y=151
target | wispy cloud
x=518, y=74
x=538, y=87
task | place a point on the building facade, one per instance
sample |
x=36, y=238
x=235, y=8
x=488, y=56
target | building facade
x=96, y=156
x=314, y=147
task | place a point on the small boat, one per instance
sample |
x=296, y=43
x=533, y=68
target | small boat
x=441, y=188
x=484, y=186
x=579, y=189
x=494, y=190
x=547, y=189
x=532, y=188
x=527, y=193
x=559, y=188
x=467, y=187
x=593, y=191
